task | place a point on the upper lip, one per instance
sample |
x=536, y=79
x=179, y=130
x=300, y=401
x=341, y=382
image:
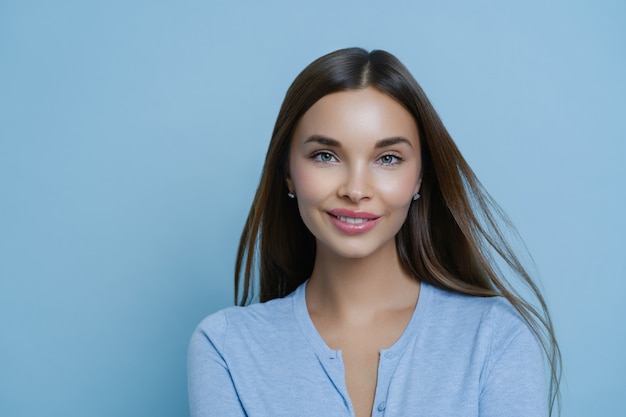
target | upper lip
x=354, y=214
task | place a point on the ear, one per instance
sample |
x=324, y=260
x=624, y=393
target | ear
x=290, y=186
x=419, y=184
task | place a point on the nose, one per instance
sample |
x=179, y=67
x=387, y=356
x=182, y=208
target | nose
x=356, y=185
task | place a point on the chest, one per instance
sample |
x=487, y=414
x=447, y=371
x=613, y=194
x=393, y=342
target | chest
x=361, y=346
x=309, y=382
x=361, y=374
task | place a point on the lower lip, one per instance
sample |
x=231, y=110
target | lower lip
x=354, y=228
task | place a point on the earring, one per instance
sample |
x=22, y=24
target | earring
x=416, y=196
x=291, y=195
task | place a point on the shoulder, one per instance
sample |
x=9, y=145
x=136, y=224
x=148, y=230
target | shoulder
x=460, y=308
x=503, y=348
x=492, y=324
x=254, y=319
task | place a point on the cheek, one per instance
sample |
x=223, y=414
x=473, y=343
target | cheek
x=398, y=191
x=309, y=184
x=311, y=190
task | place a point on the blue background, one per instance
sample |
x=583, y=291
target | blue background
x=132, y=135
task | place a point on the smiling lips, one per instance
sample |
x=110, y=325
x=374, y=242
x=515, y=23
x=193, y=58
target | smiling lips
x=353, y=222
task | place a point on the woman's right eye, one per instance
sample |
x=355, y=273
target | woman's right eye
x=324, y=157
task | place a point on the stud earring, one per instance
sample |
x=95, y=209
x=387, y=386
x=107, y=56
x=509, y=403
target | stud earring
x=416, y=196
x=291, y=195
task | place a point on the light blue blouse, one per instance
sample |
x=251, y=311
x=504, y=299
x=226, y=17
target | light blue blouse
x=459, y=356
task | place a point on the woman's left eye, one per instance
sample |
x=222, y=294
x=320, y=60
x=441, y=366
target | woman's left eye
x=323, y=156
x=389, y=160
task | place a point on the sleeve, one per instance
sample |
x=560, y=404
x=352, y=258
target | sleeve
x=211, y=389
x=514, y=376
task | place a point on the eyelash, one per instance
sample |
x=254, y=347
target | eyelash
x=396, y=158
x=316, y=156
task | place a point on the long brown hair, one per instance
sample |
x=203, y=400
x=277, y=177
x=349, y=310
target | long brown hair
x=452, y=237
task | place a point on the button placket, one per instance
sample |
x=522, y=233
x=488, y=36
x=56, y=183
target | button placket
x=332, y=362
x=386, y=369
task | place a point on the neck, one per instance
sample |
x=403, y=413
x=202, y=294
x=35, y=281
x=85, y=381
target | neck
x=360, y=287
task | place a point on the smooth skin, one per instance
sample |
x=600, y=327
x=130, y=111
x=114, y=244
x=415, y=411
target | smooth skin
x=356, y=152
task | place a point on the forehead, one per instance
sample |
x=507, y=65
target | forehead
x=364, y=114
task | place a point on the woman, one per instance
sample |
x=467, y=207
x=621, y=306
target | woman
x=380, y=293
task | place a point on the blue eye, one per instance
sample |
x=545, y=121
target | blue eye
x=389, y=160
x=324, y=157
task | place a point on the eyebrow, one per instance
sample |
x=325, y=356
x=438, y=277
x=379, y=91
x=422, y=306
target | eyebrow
x=323, y=140
x=383, y=143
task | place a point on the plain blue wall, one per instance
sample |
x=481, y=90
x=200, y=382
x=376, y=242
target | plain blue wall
x=131, y=140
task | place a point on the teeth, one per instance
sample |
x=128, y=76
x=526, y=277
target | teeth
x=351, y=220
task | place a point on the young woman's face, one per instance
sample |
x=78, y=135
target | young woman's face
x=354, y=167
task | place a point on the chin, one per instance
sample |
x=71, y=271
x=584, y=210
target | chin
x=356, y=250
x=355, y=255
